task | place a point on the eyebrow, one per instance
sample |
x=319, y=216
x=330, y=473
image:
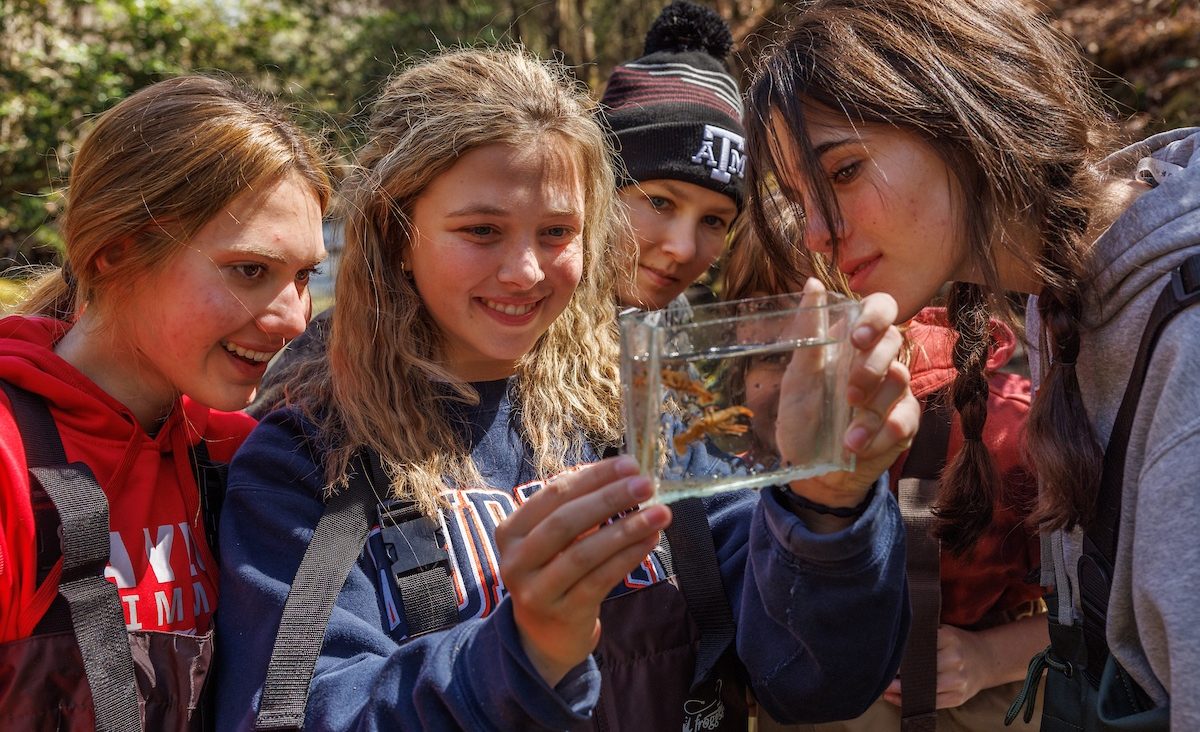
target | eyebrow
x=676, y=191
x=825, y=147
x=272, y=255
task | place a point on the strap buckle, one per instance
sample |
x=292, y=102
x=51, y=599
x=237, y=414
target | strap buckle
x=412, y=540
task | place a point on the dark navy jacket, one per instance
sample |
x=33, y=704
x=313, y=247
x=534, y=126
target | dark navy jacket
x=821, y=618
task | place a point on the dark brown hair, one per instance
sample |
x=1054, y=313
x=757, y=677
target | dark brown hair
x=1005, y=100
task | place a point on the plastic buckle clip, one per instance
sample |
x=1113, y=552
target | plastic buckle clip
x=410, y=538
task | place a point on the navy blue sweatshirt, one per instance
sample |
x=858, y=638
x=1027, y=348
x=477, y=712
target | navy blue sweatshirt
x=821, y=619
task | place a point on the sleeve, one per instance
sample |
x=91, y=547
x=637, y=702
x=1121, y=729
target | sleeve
x=472, y=676
x=18, y=568
x=821, y=618
x=1153, y=614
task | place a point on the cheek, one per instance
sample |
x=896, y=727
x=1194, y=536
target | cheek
x=646, y=225
x=710, y=246
x=568, y=265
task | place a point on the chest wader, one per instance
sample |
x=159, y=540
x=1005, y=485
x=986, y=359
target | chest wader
x=1086, y=689
x=665, y=656
x=80, y=669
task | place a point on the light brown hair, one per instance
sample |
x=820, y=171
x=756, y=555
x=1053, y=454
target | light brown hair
x=155, y=169
x=383, y=384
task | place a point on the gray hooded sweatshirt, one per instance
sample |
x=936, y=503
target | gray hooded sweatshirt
x=1154, y=611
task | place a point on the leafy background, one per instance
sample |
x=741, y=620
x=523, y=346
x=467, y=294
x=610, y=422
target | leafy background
x=64, y=61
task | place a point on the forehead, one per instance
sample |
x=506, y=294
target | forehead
x=549, y=171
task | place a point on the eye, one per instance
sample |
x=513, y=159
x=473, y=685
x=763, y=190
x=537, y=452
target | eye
x=251, y=270
x=481, y=230
x=772, y=360
x=658, y=203
x=560, y=232
x=304, y=275
x=715, y=222
x=845, y=174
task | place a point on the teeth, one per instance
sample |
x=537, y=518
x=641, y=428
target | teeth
x=246, y=353
x=509, y=309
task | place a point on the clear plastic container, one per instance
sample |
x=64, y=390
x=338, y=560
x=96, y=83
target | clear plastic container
x=739, y=394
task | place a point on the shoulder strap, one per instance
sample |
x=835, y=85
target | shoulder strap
x=211, y=480
x=332, y=551
x=419, y=567
x=97, y=617
x=694, y=559
x=1100, y=539
x=918, y=493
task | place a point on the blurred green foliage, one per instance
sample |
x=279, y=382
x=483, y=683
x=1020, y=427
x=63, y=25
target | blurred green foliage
x=64, y=61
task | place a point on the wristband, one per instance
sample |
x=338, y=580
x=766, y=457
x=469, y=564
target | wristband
x=797, y=501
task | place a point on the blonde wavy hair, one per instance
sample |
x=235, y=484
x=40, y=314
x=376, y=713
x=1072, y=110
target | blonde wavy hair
x=382, y=383
x=155, y=169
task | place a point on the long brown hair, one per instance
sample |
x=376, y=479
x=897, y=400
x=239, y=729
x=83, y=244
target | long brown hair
x=383, y=384
x=1006, y=101
x=155, y=169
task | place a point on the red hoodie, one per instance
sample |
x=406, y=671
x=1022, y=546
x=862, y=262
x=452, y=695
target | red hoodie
x=994, y=576
x=159, y=558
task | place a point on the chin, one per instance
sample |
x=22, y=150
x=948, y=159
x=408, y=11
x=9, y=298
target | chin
x=225, y=400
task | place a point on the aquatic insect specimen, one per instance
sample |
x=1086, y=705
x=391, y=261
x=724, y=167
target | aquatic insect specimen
x=713, y=422
x=682, y=382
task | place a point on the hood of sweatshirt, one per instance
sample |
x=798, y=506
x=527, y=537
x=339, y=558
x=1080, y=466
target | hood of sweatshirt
x=28, y=360
x=1158, y=231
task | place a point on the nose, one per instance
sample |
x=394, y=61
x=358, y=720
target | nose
x=521, y=267
x=679, y=242
x=288, y=314
x=817, y=235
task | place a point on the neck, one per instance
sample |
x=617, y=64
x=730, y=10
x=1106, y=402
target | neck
x=97, y=353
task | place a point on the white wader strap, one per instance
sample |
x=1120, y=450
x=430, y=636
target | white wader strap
x=97, y=616
x=918, y=493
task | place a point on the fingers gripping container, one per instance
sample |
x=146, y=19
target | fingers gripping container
x=739, y=394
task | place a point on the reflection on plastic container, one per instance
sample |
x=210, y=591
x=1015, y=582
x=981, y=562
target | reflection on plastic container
x=742, y=394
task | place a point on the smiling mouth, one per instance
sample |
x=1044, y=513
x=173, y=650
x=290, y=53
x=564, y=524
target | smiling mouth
x=861, y=266
x=660, y=273
x=247, y=354
x=509, y=308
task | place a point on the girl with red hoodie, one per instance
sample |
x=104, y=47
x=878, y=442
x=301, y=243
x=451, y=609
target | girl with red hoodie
x=192, y=225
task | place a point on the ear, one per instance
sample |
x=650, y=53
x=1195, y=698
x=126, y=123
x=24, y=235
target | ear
x=112, y=254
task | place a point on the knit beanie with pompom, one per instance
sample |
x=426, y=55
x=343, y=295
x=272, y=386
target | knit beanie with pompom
x=675, y=113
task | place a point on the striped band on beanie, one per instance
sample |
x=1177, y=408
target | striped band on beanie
x=675, y=113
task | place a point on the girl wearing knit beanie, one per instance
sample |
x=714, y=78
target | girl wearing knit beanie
x=674, y=116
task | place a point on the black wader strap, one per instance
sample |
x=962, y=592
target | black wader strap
x=1100, y=539
x=917, y=493
x=211, y=480
x=695, y=562
x=420, y=567
x=335, y=545
x=97, y=616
